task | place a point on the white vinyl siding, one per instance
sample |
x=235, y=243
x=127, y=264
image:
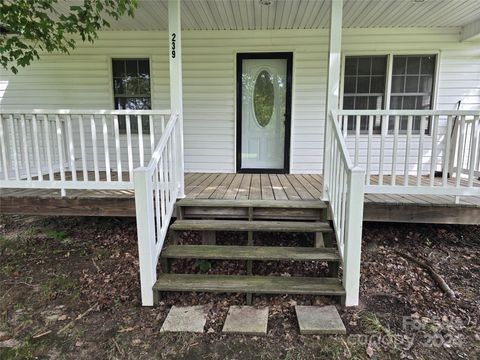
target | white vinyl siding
x=83, y=81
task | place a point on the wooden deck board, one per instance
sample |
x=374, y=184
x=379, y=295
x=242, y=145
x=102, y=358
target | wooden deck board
x=378, y=207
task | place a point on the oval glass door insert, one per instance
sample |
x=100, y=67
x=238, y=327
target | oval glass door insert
x=263, y=98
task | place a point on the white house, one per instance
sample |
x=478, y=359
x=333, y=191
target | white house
x=380, y=97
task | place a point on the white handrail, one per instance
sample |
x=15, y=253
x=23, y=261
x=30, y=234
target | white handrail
x=156, y=190
x=345, y=194
x=429, y=152
x=75, y=149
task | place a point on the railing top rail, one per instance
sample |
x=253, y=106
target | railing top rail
x=162, y=143
x=84, y=112
x=407, y=112
x=338, y=134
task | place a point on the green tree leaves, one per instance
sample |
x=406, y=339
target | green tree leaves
x=30, y=27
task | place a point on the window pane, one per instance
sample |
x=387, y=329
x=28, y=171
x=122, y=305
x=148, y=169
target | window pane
x=364, y=65
x=350, y=82
x=399, y=65
x=409, y=102
x=351, y=66
x=423, y=102
x=143, y=69
x=348, y=102
x=379, y=64
x=377, y=84
x=144, y=86
x=363, y=85
x=398, y=84
x=131, y=66
x=375, y=102
x=118, y=88
x=118, y=68
x=131, y=86
x=396, y=103
x=361, y=103
x=428, y=65
x=411, y=84
x=426, y=84
x=413, y=65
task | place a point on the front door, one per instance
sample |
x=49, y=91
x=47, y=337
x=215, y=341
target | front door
x=263, y=112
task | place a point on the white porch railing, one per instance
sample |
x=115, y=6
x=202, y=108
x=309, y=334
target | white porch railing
x=156, y=188
x=76, y=149
x=345, y=193
x=431, y=152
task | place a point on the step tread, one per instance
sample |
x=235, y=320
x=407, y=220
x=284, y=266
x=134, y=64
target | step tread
x=293, y=204
x=257, y=225
x=249, y=284
x=227, y=252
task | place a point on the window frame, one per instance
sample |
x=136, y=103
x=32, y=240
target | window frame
x=389, y=73
x=110, y=81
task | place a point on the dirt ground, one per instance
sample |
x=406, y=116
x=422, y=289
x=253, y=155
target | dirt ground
x=69, y=290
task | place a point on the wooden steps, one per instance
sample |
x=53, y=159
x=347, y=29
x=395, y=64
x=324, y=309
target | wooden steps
x=240, y=225
x=252, y=209
x=261, y=253
x=286, y=204
x=209, y=216
x=249, y=284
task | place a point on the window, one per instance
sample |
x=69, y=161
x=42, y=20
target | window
x=131, y=90
x=364, y=87
x=412, y=86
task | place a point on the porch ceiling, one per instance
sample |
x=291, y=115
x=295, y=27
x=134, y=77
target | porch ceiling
x=300, y=14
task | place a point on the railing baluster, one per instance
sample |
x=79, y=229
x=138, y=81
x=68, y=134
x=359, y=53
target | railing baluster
x=140, y=141
x=106, y=148
x=407, y=150
x=473, y=150
x=384, y=128
x=3, y=146
x=433, y=163
x=71, y=146
x=447, y=153
x=46, y=128
x=423, y=120
x=82, y=147
x=357, y=139
x=369, y=150
x=116, y=129
x=26, y=160
x=396, y=127
x=93, y=130
x=35, y=135
x=60, y=144
x=129, y=147
x=152, y=134
x=460, y=151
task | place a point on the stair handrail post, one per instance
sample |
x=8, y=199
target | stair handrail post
x=353, y=235
x=145, y=215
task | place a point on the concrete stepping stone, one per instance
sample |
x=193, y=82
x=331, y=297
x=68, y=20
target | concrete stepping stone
x=186, y=319
x=246, y=320
x=319, y=320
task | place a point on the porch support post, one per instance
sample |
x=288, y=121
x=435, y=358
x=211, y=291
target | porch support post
x=333, y=82
x=176, y=90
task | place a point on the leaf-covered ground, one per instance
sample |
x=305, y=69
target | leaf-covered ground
x=69, y=289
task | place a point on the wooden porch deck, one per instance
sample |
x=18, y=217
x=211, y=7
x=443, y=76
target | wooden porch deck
x=395, y=208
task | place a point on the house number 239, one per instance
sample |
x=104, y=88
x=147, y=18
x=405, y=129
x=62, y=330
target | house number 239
x=174, y=37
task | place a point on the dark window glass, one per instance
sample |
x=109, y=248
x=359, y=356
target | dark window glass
x=364, y=87
x=131, y=91
x=412, y=87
